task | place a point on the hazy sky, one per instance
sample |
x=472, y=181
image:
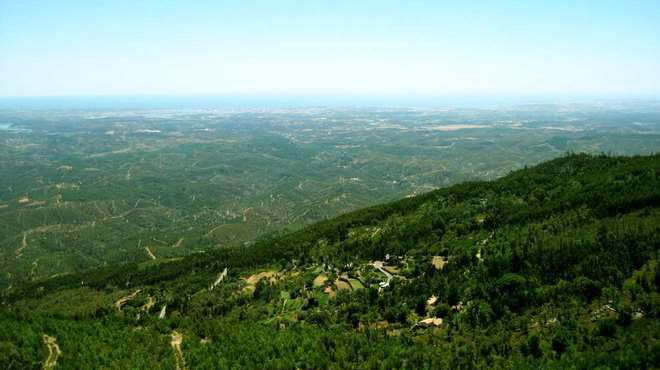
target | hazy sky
x=85, y=47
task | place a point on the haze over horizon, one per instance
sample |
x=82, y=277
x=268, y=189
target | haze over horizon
x=386, y=48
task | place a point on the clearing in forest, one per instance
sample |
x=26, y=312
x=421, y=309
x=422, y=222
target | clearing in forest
x=343, y=284
x=320, y=280
x=122, y=301
x=439, y=262
x=252, y=280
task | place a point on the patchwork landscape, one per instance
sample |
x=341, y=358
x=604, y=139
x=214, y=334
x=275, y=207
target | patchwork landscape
x=520, y=237
x=84, y=189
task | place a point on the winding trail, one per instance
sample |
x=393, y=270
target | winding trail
x=29, y=232
x=379, y=265
x=151, y=301
x=19, y=251
x=177, y=340
x=53, y=351
x=150, y=253
x=220, y=278
x=122, y=301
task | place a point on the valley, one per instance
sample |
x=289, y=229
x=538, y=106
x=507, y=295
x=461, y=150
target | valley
x=86, y=189
x=552, y=266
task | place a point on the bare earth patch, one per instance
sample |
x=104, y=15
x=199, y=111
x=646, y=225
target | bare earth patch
x=272, y=277
x=439, y=262
x=53, y=351
x=151, y=301
x=330, y=292
x=454, y=127
x=19, y=250
x=341, y=284
x=177, y=340
x=431, y=321
x=122, y=301
x=36, y=203
x=219, y=279
x=320, y=280
x=150, y=253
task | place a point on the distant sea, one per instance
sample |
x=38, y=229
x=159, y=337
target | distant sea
x=298, y=101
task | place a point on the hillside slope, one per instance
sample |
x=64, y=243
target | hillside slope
x=552, y=266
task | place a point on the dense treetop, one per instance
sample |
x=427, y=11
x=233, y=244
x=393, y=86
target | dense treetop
x=553, y=266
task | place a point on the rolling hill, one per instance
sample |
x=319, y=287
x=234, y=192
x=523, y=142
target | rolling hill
x=552, y=266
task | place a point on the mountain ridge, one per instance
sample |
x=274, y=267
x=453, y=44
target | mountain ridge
x=558, y=262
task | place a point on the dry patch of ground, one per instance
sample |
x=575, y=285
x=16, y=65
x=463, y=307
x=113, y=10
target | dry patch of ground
x=439, y=262
x=330, y=292
x=151, y=301
x=104, y=154
x=431, y=321
x=320, y=280
x=36, y=203
x=392, y=269
x=454, y=127
x=122, y=301
x=40, y=229
x=252, y=280
x=53, y=351
x=67, y=185
x=177, y=340
x=219, y=279
x=343, y=283
x=150, y=253
x=272, y=276
x=19, y=251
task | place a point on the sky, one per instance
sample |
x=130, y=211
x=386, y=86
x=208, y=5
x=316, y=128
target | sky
x=410, y=47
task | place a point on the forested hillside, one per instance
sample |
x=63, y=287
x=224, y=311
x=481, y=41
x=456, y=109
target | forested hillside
x=85, y=189
x=554, y=266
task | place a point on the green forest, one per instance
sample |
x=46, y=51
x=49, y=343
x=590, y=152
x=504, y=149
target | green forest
x=85, y=189
x=551, y=266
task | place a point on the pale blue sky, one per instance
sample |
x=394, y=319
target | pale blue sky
x=59, y=48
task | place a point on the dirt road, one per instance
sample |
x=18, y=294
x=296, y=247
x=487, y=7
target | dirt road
x=19, y=251
x=53, y=351
x=120, y=302
x=177, y=340
x=150, y=253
